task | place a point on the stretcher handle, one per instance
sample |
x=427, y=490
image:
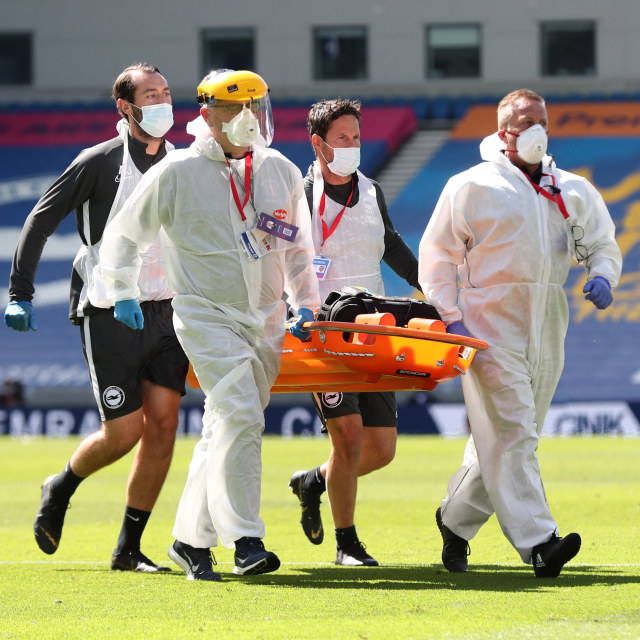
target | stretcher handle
x=402, y=332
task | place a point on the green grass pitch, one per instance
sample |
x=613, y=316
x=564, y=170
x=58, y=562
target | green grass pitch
x=593, y=486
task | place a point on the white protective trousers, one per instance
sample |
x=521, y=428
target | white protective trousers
x=229, y=312
x=223, y=485
x=511, y=249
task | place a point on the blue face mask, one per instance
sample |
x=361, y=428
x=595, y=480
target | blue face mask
x=157, y=119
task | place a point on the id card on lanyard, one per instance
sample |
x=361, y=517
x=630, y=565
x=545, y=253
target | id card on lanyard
x=254, y=243
x=321, y=263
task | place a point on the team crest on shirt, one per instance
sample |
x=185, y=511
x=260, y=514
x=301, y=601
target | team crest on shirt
x=129, y=173
x=331, y=399
x=113, y=397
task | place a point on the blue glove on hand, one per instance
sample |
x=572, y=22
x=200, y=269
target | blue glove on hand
x=295, y=328
x=129, y=313
x=458, y=329
x=20, y=316
x=598, y=291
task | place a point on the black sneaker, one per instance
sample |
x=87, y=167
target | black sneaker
x=47, y=526
x=549, y=557
x=252, y=558
x=454, y=548
x=197, y=563
x=311, y=519
x=355, y=555
x=134, y=561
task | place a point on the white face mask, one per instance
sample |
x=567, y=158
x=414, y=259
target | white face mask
x=242, y=129
x=345, y=160
x=531, y=144
x=157, y=119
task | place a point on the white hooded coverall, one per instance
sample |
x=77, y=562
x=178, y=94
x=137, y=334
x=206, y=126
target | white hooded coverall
x=229, y=313
x=511, y=249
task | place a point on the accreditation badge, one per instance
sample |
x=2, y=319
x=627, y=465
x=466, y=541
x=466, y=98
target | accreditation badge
x=255, y=244
x=321, y=266
x=277, y=228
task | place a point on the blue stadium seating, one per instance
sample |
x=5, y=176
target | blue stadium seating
x=34, y=150
x=602, y=349
x=602, y=352
x=460, y=106
x=440, y=108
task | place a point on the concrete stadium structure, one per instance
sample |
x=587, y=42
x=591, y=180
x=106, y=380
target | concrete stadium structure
x=69, y=50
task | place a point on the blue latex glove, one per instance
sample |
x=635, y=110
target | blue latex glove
x=295, y=327
x=20, y=316
x=129, y=313
x=598, y=291
x=458, y=329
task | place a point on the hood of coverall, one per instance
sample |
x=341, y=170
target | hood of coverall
x=491, y=151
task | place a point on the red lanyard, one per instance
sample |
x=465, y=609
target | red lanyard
x=326, y=231
x=556, y=197
x=247, y=185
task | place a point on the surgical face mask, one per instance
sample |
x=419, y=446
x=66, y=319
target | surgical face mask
x=531, y=144
x=242, y=129
x=157, y=119
x=345, y=160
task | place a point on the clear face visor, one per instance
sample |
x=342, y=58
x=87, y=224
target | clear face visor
x=246, y=122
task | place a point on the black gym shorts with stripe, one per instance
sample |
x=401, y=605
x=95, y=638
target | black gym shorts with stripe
x=377, y=408
x=120, y=358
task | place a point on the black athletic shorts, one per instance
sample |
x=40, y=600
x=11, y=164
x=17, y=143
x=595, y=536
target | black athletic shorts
x=377, y=408
x=119, y=358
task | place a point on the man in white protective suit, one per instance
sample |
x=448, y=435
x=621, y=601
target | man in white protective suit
x=234, y=225
x=507, y=228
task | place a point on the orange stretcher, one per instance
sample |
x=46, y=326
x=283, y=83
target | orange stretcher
x=372, y=354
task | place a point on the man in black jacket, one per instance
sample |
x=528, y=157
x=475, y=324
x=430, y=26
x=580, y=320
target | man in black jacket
x=352, y=233
x=137, y=377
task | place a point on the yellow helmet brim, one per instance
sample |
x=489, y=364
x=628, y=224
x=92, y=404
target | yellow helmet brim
x=232, y=85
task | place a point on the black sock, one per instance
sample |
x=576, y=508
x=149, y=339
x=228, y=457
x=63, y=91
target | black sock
x=133, y=526
x=346, y=537
x=314, y=482
x=63, y=486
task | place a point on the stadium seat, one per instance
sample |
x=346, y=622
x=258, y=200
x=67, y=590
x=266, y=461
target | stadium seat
x=460, y=106
x=420, y=107
x=441, y=107
x=553, y=98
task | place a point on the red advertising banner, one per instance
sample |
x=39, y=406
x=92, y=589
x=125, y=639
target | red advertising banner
x=88, y=127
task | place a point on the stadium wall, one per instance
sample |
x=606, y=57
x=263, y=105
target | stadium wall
x=79, y=47
x=449, y=420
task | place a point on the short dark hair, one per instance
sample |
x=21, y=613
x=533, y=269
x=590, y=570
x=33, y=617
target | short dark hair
x=324, y=112
x=124, y=87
